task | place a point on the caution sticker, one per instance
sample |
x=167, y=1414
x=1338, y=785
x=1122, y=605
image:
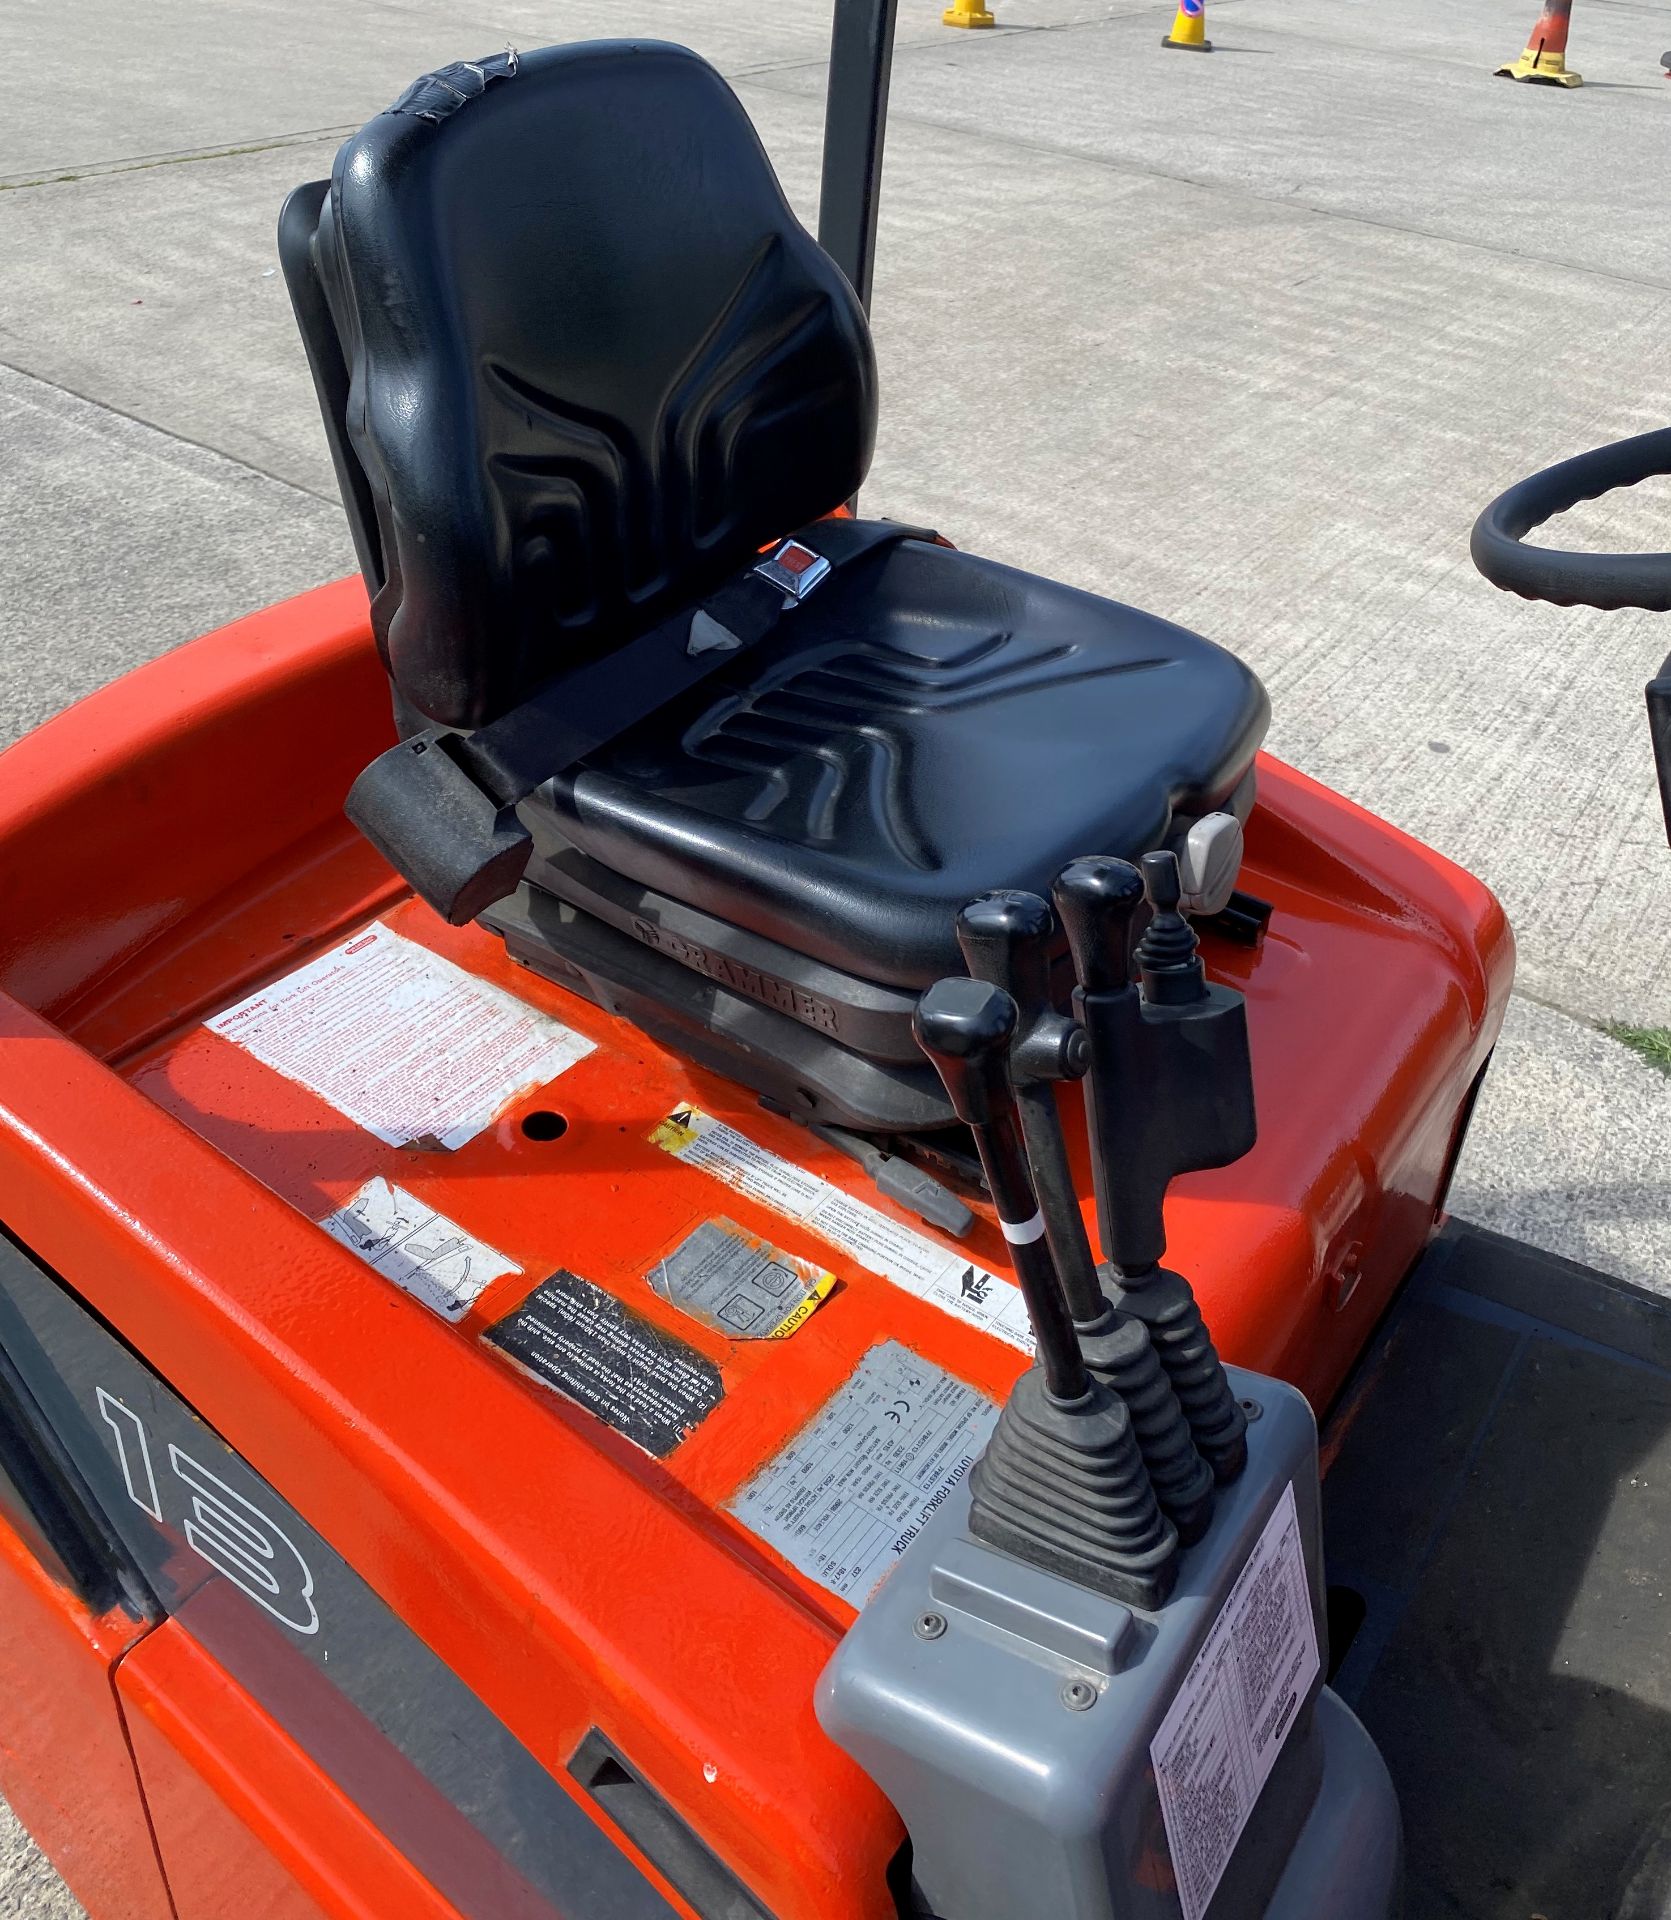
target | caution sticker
x=420, y=1250
x=738, y=1284
x=910, y=1260
x=585, y=1343
x=853, y=1489
x=405, y=1044
x=1238, y=1704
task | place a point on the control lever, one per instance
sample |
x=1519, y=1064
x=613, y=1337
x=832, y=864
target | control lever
x=1170, y=1091
x=1062, y=1482
x=1006, y=939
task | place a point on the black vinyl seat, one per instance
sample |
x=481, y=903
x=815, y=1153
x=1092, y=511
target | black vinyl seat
x=578, y=364
x=929, y=725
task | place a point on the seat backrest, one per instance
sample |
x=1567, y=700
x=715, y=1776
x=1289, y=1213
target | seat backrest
x=578, y=360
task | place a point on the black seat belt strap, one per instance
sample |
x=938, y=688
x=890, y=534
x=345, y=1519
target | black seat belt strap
x=441, y=806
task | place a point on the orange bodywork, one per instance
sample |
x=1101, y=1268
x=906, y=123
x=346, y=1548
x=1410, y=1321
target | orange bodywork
x=178, y=838
x=64, y=1764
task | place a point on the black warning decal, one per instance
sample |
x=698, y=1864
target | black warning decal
x=581, y=1340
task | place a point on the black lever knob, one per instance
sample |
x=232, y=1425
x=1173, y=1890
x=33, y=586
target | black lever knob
x=1004, y=932
x=1162, y=881
x=966, y=1027
x=1096, y=900
x=1005, y=938
x=1167, y=956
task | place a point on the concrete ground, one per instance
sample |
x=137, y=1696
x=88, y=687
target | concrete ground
x=1247, y=340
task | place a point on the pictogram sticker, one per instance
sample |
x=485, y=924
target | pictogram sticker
x=911, y=1260
x=422, y=1251
x=738, y=1284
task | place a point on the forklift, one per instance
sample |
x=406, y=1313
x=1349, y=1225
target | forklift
x=682, y=1176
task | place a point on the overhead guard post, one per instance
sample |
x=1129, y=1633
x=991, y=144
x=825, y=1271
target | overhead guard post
x=855, y=126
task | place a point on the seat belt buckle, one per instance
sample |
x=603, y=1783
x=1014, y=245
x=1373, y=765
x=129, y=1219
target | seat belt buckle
x=795, y=569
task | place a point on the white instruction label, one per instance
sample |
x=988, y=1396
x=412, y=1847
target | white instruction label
x=404, y=1043
x=1221, y=1736
x=910, y=1260
x=421, y=1250
x=851, y=1491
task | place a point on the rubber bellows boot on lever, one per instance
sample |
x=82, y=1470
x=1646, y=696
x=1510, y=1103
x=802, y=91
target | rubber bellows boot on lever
x=1062, y=1482
x=1170, y=1091
x=1006, y=938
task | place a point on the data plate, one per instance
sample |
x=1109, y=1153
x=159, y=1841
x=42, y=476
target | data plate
x=913, y=1262
x=853, y=1489
x=1239, y=1701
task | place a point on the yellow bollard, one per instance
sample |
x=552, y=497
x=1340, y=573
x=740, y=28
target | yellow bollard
x=1189, y=30
x=967, y=13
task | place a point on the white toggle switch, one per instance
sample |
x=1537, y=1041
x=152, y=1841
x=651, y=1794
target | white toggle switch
x=1209, y=861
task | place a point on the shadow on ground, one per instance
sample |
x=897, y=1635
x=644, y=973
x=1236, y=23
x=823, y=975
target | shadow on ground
x=1500, y=1504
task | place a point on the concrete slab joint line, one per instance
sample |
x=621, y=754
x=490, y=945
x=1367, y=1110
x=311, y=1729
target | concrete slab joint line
x=107, y=407
x=97, y=169
x=188, y=539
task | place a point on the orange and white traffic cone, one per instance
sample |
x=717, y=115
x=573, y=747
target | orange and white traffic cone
x=1545, y=58
x=1189, y=30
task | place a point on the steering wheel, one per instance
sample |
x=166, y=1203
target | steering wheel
x=1606, y=580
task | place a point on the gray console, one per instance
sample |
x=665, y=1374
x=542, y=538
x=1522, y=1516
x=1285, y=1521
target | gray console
x=1014, y=1718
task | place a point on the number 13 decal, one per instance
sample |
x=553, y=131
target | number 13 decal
x=220, y=1525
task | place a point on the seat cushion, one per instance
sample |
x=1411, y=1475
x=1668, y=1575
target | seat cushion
x=925, y=726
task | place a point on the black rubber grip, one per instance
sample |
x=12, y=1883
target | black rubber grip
x=1606, y=580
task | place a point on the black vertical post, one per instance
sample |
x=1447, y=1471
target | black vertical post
x=1659, y=720
x=855, y=125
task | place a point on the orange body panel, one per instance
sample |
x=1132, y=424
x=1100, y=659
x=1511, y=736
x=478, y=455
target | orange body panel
x=179, y=837
x=65, y=1769
x=245, y=1822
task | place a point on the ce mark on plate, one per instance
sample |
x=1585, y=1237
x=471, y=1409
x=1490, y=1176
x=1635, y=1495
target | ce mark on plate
x=896, y=1410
